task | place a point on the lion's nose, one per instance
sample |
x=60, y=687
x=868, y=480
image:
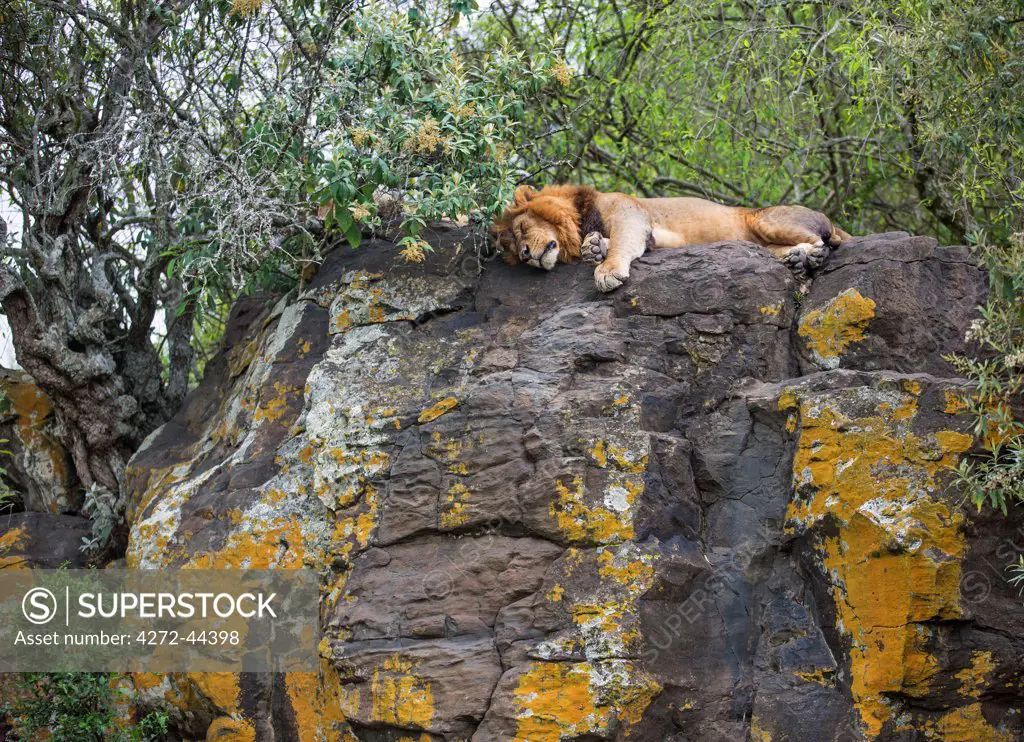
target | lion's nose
x=524, y=252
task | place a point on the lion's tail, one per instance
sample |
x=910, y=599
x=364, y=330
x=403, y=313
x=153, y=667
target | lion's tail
x=837, y=236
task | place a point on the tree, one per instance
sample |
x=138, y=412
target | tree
x=165, y=155
x=906, y=114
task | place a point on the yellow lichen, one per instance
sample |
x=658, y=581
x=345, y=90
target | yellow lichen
x=974, y=679
x=219, y=688
x=277, y=545
x=399, y=697
x=956, y=403
x=272, y=410
x=555, y=700
x=757, y=733
x=455, y=511
x=435, y=411
x=895, y=558
x=583, y=523
x=357, y=529
x=771, y=310
x=964, y=724
x=828, y=331
x=609, y=456
x=637, y=574
x=12, y=541
x=32, y=410
x=315, y=700
x=342, y=321
x=820, y=675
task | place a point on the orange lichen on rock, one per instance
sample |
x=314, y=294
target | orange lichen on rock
x=556, y=700
x=967, y=723
x=603, y=602
x=974, y=679
x=399, y=697
x=10, y=543
x=895, y=559
x=820, y=675
x=964, y=724
x=609, y=456
x=276, y=545
x=316, y=702
x=455, y=508
x=341, y=321
x=32, y=410
x=637, y=573
x=219, y=688
x=435, y=411
x=582, y=523
x=829, y=331
x=273, y=410
x=356, y=530
x=956, y=402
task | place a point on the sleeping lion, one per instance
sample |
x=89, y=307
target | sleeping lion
x=566, y=223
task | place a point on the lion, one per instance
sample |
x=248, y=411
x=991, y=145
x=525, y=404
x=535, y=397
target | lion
x=566, y=223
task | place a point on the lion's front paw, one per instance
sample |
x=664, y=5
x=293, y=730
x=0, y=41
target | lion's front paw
x=608, y=278
x=594, y=248
x=806, y=257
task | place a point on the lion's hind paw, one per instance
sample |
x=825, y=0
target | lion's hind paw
x=594, y=248
x=805, y=257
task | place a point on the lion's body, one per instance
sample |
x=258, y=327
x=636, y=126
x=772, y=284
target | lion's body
x=565, y=220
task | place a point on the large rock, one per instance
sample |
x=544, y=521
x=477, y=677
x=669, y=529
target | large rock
x=42, y=540
x=890, y=302
x=701, y=508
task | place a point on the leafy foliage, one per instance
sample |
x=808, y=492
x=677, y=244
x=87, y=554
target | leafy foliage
x=997, y=478
x=78, y=707
x=905, y=114
x=397, y=111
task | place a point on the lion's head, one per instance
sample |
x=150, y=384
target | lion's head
x=540, y=228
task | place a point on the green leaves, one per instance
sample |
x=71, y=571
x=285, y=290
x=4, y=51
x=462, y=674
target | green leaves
x=996, y=476
x=78, y=707
x=403, y=111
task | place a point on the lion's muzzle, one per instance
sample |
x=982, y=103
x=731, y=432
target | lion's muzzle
x=547, y=260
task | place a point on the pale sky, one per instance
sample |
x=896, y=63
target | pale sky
x=13, y=219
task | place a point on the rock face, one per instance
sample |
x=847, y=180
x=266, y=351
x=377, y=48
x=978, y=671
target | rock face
x=696, y=509
x=42, y=541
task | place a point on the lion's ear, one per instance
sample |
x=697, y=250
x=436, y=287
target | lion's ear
x=523, y=194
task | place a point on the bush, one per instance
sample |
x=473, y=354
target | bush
x=997, y=477
x=78, y=707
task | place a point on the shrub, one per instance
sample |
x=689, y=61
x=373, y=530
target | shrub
x=78, y=707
